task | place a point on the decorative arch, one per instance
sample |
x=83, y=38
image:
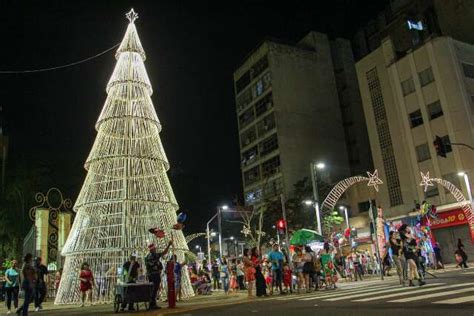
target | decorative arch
x=335, y=194
x=458, y=195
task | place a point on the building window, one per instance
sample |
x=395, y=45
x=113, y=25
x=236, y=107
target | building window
x=243, y=100
x=246, y=118
x=432, y=191
x=249, y=156
x=259, y=67
x=447, y=144
x=422, y=152
x=271, y=166
x=264, y=104
x=242, y=82
x=408, y=86
x=268, y=145
x=468, y=70
x=415, y=118
x=426, y=76
x=248, y=137
x=266, y=124
x=385, y=140
x=273, y=189
x=252, y=176
x=253, y=196
x=435, y=110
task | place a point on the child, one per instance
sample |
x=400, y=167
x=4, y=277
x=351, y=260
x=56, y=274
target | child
x=268, y=279
x=287, y=278
x=233, y=281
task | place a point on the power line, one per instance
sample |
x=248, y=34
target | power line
x=58, y=67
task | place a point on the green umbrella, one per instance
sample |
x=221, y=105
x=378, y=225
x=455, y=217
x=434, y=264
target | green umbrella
x=305, y=236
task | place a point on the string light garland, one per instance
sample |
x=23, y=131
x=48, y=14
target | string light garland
x=126, y=190
x=59, y=67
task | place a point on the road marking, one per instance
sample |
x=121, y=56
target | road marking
x=405, y=289
x=458, y=300
x=422, y=297
x=328, y=293
x=339, y=293
x=416, y=292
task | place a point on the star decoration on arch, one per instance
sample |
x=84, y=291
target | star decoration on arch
x=374, y=180
x=132, y=15
x=426, y=180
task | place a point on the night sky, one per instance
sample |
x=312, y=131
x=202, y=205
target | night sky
x=192, y=51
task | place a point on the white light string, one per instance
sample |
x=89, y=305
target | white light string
x=59, y=67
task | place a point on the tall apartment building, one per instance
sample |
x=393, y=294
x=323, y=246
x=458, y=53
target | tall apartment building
x=409, y=100
x=289, y=114
x=3, y=150
x=410, y=22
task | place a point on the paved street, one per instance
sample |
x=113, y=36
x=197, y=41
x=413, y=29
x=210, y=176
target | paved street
x=451, y=293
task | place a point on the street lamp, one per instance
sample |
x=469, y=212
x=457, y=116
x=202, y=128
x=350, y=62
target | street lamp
x=316, y=210
x=213, y=234
x=314, y=168
x=198, y=247
x=468, y=187
x=343, y=208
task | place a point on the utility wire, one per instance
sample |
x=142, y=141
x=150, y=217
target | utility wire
x=58, y=67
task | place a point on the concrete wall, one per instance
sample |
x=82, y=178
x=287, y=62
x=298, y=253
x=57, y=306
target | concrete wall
x=308, y=117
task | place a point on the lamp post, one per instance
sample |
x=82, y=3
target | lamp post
x=208, y=233
x=316, y=210
x=314, y=167
x=343, y=208
x=468, y=187
x=219, y=218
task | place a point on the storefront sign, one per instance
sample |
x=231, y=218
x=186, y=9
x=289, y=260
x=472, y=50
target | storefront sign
x=450, y=218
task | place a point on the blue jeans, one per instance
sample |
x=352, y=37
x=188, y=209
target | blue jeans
x=225, y=283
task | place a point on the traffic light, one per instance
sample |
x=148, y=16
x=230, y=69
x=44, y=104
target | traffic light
x=440, y=146
x=281, y=226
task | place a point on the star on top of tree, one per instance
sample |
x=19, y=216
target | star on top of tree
x=374, y=180
x=132, y=15
x=426, y=180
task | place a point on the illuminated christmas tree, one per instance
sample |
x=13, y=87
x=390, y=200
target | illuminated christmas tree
x=126, y=190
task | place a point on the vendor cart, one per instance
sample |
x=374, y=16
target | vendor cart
x=132, y=293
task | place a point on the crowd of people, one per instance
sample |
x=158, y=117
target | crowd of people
x=259, y=274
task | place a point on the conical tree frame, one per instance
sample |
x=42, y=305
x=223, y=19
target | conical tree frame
x=126, y=190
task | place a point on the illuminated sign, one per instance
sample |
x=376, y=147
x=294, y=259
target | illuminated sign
x=451, y=218
x=415, y=25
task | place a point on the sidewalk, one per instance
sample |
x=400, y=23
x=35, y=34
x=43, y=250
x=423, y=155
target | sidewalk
x=216, y=299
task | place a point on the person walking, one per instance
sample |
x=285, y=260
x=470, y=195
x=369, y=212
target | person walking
x=28, y=274
x=154, y=267
x=276, y=258
x=260, y=285
x=86, y=283
x=240, y=275
x=396, y=246
x=298, y=263
x=438, y=258
x=410, y=253
x=249, y=270
x=12, y=286
x=41, y=288
x=357, y=265
x=215, y=275
x=308, y=268
x=178, y=272
x=461, y=256
x=57, y=280
x=224, y=274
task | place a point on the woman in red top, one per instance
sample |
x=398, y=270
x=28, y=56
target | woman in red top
x=249, y=270
x=87, y=282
